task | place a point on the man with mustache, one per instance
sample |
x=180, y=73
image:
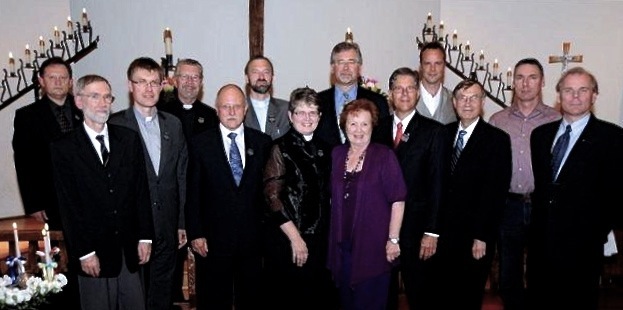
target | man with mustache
x=265, y=113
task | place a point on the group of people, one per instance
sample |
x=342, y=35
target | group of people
x=328, y=200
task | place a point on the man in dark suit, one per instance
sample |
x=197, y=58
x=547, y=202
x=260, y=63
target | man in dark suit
x=422, y=146
x=36, y=125
x=480, y=168
x=225, y=206
x=346, y=61
x=574, y=199
x=265, y=113
x=166, y=158
x=99, y=174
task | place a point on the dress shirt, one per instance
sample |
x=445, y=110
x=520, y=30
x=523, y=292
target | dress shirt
x=150, y=131
x=261, y=111
x=519, y=128
x=431, y=101
x=469, y=129
x=405, y=122
x=239, y=141
x=340, y=102
x=576, y=130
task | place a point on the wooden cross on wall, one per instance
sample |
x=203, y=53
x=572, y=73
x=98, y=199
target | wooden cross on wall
x=565, y=59
x=256, y=27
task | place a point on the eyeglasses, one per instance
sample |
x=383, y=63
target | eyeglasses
x=570, y=92
x=144, y=84
x=310, y=114
x=97, y=97
x=472, y=98
x=409, y=89
x=192, y=78
x=344, y=62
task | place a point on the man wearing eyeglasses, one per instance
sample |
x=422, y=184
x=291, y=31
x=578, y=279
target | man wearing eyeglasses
x=108, y=235
x=346, y=62
x=480, y=174
x=265, y=113
x=166, y=158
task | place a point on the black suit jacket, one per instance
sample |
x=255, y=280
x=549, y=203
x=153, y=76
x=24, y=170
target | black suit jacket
x=227, y=215
x=328, y=129
x=35, y=126
x=477, y=188
x=104, y=209
x=572, y=217
x=195, y=120
x=422, y=154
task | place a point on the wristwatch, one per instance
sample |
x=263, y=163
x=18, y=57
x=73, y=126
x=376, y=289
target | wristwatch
x=394, y=240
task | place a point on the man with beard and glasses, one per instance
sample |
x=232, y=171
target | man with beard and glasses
x=346, y=62
x=265, y=113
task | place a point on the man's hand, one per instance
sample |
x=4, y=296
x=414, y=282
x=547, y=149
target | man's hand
x=144, y=252
x=91, y=265
x=479, y=249
x=428, y=247
x=200, y=246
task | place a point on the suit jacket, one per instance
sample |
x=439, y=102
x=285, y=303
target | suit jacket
x=277, y=121
x=228, y=216
x=572, y=217
x=168, y=187
x=445, y=111
x=194, y=120
x=422, y=155
x=328, y=129
x=104, y=209
x=34, y=128
x=477, y=188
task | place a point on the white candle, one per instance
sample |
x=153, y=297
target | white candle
x=349, y=35
x=17, y=251
x=70, y=26
x=11, y=63
x=47, y=246
x=441, y=29
x=41, y=46
x=85, y=20
x=482, y=58
x=57, y=36
x=429, y=20
x=168, y=41
x=509, y=77
x=467, y=49
x=454, y=38
x=27, y=54
x=495, y=67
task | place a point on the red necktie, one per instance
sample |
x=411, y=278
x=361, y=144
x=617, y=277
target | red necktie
x=398, y=134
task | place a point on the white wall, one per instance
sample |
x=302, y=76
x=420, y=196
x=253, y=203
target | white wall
x=299, y=36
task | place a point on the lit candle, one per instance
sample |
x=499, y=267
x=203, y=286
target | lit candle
x=496, y=68
x=467, y=49
x=455, y=38
x=85, y=20
x=27, y=54
x=429, y=21
x=509, y=77
x=57, y=36
x=11, y=63
x=441, y=30
x=168, y=41
x=17, y=252
x=349, y=36
x=70, y=26
x=41, y=46
x=46, y=244
x=482, y=58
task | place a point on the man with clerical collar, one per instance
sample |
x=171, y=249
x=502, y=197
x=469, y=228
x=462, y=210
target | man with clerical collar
x=265, y=113
x=195, y=115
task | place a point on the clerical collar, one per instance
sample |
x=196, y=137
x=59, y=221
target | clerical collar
x=187, y=106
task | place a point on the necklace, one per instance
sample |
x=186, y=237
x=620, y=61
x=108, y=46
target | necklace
x=359, y=162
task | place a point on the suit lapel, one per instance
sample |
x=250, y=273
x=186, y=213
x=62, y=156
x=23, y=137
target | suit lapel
x=251, y=117
x=165, y=142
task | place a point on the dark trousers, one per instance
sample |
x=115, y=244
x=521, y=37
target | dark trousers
x=420, y=280
x=177, y=293
x=511, y=244
x=223, y=281
x=370, y=294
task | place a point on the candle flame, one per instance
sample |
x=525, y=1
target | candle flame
x=68, y=18
x=14, y=225
x=84, y=10
x=46, y=227
x=43, y=232
x=10, y=55
x=348, y=30
x=27, y=46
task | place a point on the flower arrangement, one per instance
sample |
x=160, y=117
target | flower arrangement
x=371, y=84
x=34, y=294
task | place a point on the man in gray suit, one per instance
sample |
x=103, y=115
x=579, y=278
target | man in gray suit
x=166, y=158
x=435, y=100
x=265, y=113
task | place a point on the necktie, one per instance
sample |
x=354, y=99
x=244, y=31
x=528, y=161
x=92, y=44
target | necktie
x=458, y=148
x=398, y=134
x=235, y=160
x=103, y=149
x=345, y=100
x=62, y=119
x=560, y=148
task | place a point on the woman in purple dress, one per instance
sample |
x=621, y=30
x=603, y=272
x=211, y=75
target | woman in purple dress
x=367, y=204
